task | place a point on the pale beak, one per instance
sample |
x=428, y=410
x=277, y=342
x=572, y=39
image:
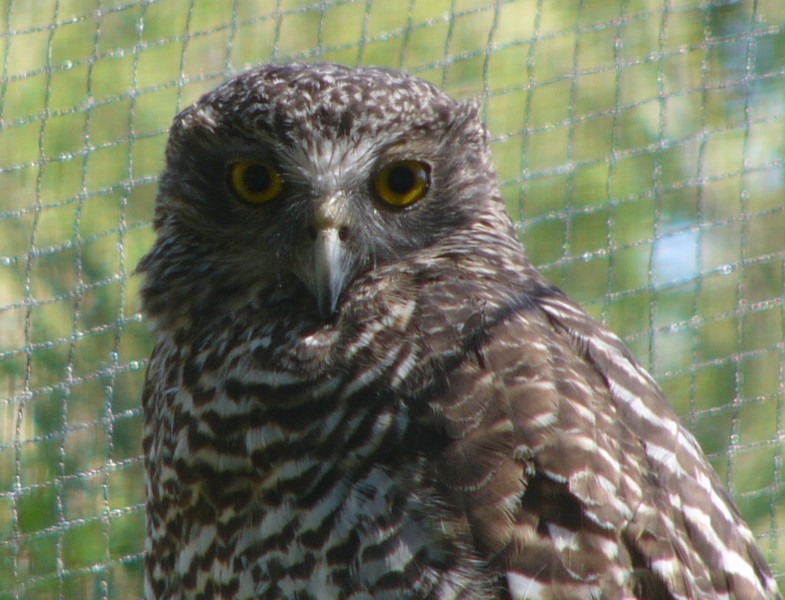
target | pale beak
x=324, y=264
x=331, y=267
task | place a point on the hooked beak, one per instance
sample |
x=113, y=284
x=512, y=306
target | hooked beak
x=325, y=264
x=332, y=267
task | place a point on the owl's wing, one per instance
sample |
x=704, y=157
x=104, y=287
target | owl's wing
x=574, y=473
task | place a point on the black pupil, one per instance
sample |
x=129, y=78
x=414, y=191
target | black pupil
x=401, y=179
x=257, y=178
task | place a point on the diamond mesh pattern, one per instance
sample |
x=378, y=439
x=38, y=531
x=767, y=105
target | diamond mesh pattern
x=640, y=148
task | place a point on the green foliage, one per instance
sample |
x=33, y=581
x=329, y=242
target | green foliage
x=640, y=149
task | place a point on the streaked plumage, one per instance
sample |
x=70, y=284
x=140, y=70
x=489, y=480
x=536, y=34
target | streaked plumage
x=350, y=399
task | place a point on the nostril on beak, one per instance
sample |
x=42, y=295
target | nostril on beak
x=343, y=232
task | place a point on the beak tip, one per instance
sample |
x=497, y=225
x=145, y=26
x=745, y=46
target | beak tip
x=325, y=270
x=326, y=305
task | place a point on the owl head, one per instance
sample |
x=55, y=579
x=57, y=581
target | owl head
x=307, y=176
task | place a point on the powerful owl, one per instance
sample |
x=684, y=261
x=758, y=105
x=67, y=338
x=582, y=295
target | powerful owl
x=361, y=388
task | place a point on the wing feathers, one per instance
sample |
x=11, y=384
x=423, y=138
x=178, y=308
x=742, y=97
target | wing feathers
x=574, y=472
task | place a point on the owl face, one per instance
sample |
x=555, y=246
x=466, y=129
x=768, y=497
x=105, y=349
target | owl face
x=311, y=175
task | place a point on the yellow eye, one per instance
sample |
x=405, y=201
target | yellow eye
x=402, y=183
x=255, y=182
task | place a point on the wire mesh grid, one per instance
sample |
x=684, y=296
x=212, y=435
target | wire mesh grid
x=640, y=146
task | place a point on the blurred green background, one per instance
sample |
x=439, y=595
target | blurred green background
x=640, y=147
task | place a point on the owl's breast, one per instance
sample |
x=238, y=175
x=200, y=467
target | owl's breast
x=288, y=468
x=291, y=455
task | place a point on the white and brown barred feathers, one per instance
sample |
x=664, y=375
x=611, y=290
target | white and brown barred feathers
x=455, y=427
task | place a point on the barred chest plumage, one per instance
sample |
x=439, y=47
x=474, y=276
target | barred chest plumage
x=282, y=463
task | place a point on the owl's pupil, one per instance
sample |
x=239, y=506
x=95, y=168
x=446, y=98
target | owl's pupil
x=257, y=178
x=401, y=179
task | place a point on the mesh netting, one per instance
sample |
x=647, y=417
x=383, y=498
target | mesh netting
x=640, y=146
